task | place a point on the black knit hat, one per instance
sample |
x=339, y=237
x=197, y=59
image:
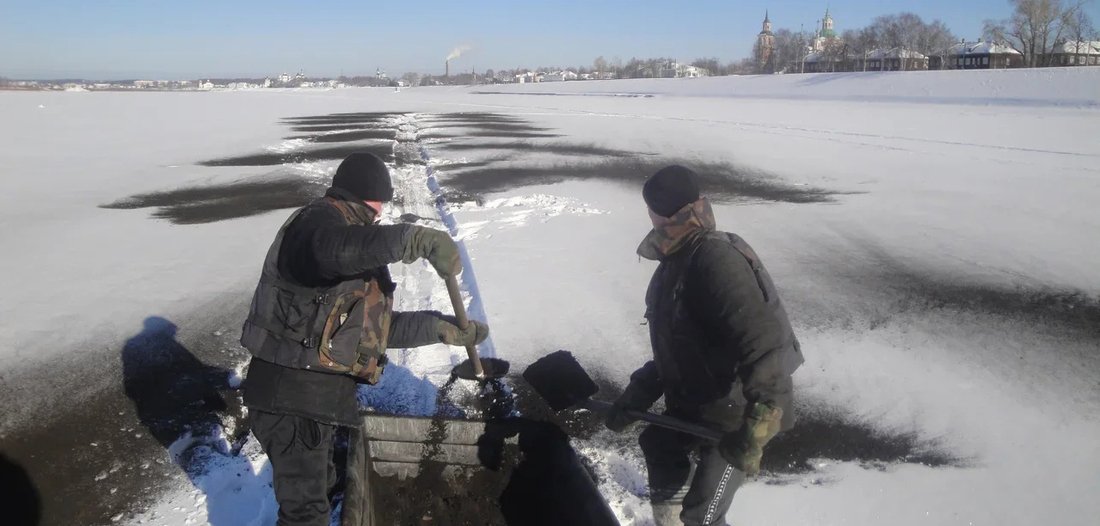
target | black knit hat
x=365, y=176
x=670, y=189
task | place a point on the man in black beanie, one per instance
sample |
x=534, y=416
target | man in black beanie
x=723, y=355
x=321, y=320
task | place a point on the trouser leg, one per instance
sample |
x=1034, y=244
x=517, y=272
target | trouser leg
x=669, y=467
x=712, y=489
x=300, y=452
x=685, y=490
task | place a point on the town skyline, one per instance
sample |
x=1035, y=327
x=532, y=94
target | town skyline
x=130, y=40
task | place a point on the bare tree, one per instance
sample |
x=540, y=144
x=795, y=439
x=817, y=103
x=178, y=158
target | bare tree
x=745, y=66
x=790, y=48
x=1033, y=29
x=935, y=40
x=599, y=65
x=1078, y=25
x=767, y=65
x=835, y=54
x=902, y=31
x=861, y=42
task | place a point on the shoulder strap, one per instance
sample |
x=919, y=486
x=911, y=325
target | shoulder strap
x=342, y=207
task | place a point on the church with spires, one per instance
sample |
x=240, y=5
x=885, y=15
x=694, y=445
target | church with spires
x=825, y=34
x=764, y=50
x=817, y=55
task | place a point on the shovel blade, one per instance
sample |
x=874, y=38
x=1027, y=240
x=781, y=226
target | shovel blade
x=560, y=380
x=493, y=367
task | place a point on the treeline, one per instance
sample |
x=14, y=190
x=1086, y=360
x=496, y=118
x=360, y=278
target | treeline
x=906, y=31
x=601, y=68
x=1034, y=28
x=1037, y=26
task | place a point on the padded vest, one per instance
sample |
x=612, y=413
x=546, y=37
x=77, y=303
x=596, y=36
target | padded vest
x=342, y=329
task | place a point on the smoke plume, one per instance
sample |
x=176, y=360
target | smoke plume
x=457, y=52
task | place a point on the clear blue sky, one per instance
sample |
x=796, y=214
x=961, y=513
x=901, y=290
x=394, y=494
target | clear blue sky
x=112, y=39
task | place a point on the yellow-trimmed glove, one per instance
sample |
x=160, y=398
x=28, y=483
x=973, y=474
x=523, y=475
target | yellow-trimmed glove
x=744, y=448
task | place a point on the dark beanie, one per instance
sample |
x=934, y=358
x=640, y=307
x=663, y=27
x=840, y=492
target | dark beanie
x=670, y=189
x=365, y=176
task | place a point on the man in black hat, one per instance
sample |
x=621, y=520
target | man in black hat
x=723, y=355
x=321, y=320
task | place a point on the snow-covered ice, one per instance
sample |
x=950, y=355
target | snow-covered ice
x=933, y=234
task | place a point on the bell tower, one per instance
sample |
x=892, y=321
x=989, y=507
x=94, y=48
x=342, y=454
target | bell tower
x=764, y=50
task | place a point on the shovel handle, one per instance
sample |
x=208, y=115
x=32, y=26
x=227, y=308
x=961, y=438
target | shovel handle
x=463, y=322
x=668, y=422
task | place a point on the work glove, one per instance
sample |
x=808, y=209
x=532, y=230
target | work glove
x=449, y=333
x=437, y=247
x=616, y=418
x=744, y=448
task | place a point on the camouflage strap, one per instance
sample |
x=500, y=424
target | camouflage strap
x=343, y=208
x=370, y=355
x=377, y=312
x=336, y=318
x=353, y=214
x=378, y=308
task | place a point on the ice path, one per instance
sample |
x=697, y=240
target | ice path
x=468, y=278
x=410, y=384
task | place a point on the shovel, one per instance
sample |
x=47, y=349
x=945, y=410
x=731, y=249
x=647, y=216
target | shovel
x=475, y=367
x=562, y=382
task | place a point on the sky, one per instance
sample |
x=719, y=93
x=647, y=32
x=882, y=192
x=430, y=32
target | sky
x=156, y=39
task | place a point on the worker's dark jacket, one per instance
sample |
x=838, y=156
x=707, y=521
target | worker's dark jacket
x=721, y=338
x=328, y=251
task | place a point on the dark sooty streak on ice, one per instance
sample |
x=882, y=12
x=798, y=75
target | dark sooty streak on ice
x=485, y=126
x=476, y=117
x=501, y=134
x=341, y=117
x=341, y=127
x=343, y=123
x=208, y=204
x=349, y=136
x=1064, y=311
x=554, y=148
x=382, y=150
x=830, y=434
x=555, y=94
x=717, y=180
x=916, y=289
